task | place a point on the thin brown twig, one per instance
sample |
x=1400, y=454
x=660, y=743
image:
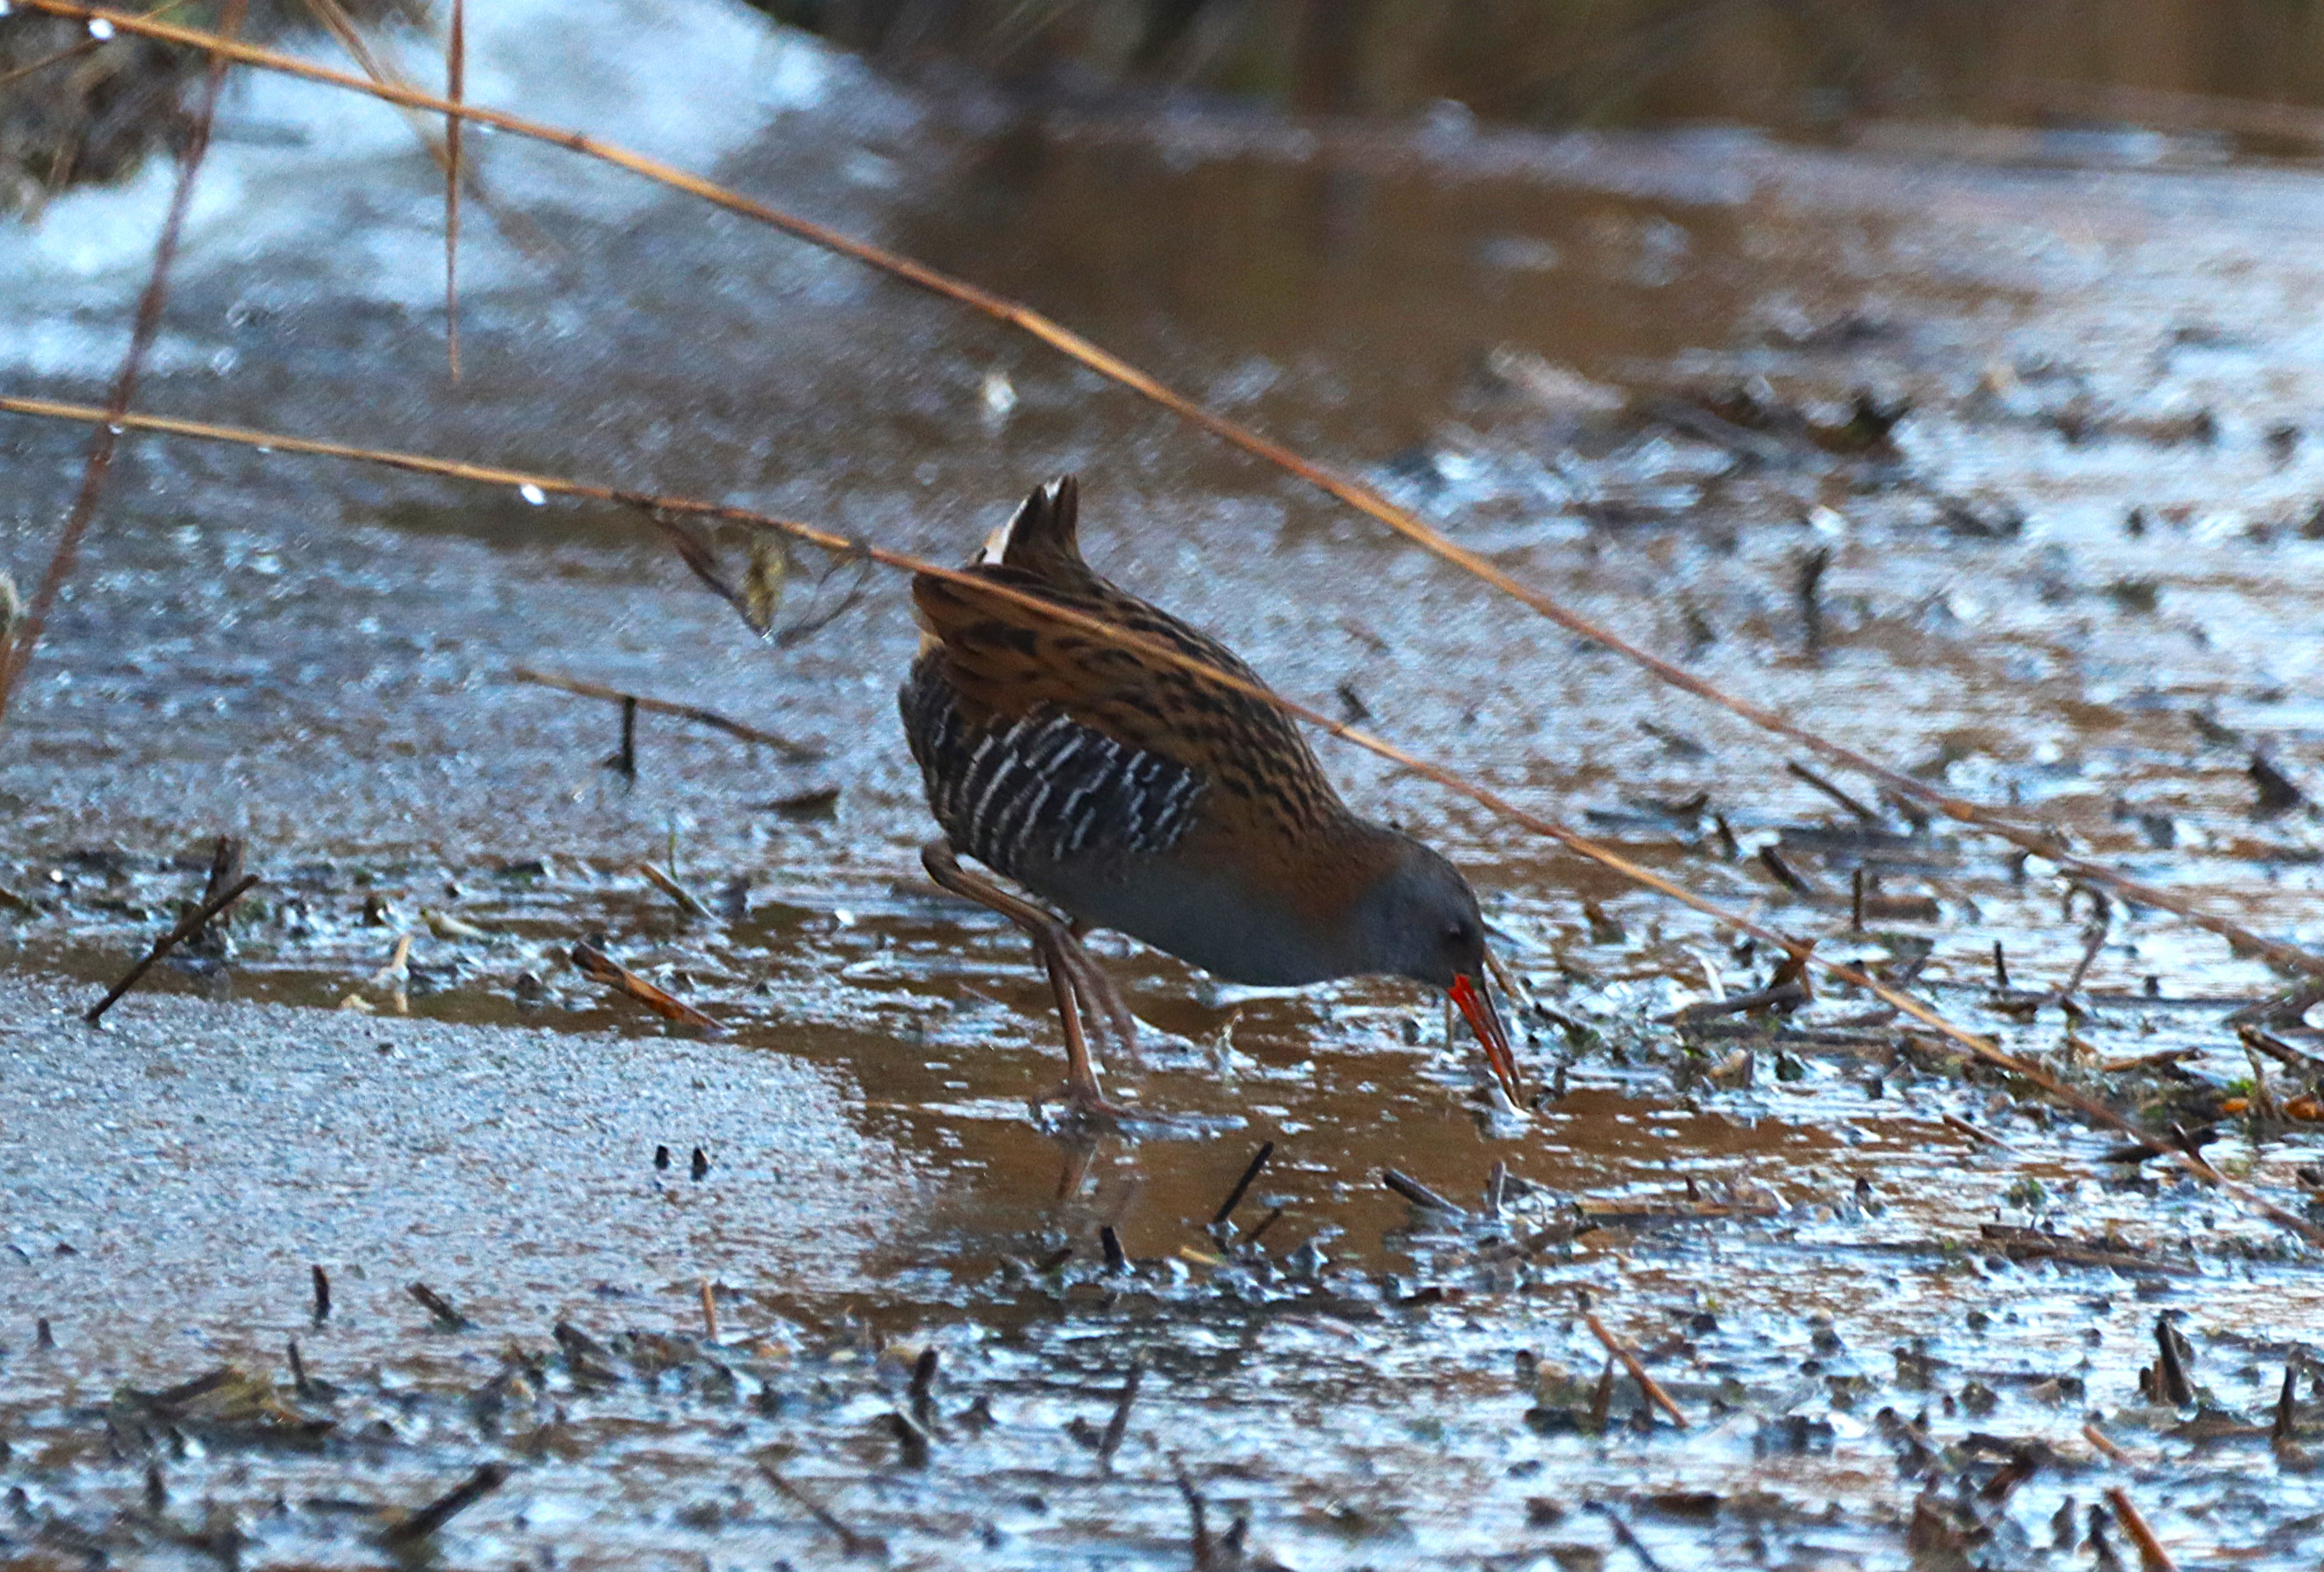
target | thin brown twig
x=1639, y=1373
x=18, y=655
x=1976, y=1047
x=1345, y=488
x=1242, y=1186
x=2093, y=941
x=190, y=925
x=796, y=752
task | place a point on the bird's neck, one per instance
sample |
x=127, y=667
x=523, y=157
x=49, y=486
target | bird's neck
x=1333, y=875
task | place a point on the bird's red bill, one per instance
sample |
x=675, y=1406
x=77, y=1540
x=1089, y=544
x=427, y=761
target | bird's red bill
x=1486, y=1022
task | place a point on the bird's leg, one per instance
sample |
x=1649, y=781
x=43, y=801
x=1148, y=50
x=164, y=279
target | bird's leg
x=1073, y=977
x=1100, y=997
x=1109, y=1019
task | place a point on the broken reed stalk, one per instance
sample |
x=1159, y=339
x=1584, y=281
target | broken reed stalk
x=440, y=1309
x=2171, y=1380
x=226, y=867
x=17, y=653
x=1647, y=1384
x=831, y=540
x=1630, y=1540
x=684, y=898
x=600, y=967
x=1982, y=1137
x=795, y=752
x=2151, y=1556
x=2104, y=1443
x=1802, y=773
x=193, y=922
x=1242, y=1186
x=1363, y=498
x=851, y=1543
x=1419, y=1195
x=624, y=762
x=1118, y=1425
x=924, y=1383
x=2092, y=942
x=487, y=1478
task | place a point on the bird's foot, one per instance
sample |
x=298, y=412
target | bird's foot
x=1084, y=1107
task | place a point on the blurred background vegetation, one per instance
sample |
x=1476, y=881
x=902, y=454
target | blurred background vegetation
x=1788, y=64
x=70, y=112
x=76, y=109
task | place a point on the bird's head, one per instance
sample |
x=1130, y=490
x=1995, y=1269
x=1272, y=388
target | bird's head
x=1419, y=919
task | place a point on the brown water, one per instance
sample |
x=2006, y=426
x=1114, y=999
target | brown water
x=317, y=658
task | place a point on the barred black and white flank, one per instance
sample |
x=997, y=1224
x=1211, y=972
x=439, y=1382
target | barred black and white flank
x=1043, y=791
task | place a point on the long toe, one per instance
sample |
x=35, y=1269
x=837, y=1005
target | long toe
x=1087, y=1106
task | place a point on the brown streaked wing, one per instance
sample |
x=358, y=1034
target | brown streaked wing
x=1002, y=658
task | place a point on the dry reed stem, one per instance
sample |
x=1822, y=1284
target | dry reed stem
x=678, y=892
x=831, y=540
x=797, y=753
x=336, y=20
x=2151, y=1556
x=188, y=926
x=1646, y=1383
x=381, y=65
x=1345, y=488
x=456, y=70
x=17, y=653
x=600, y=967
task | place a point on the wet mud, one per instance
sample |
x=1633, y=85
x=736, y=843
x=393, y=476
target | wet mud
x=2001, y=471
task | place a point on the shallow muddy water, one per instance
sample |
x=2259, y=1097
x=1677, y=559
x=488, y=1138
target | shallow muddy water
x=2077, y=576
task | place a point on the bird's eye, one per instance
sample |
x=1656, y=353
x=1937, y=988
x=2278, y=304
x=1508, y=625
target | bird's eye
x=1459, y=934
